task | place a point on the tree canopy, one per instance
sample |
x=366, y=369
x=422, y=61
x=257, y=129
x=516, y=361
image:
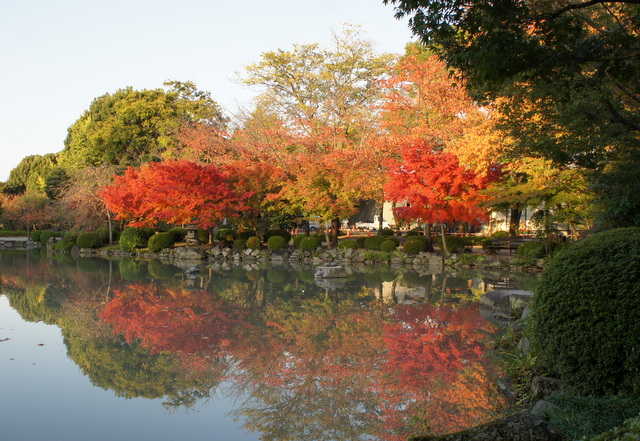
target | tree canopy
x=132, y=127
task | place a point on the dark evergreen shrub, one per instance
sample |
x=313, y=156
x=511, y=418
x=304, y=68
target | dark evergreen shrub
x=348, y=243
x=360, y=242
x=455, y=244
x=147, y=232
x=253, y=243
x=535, y=249
x=239, y=244
x=393, y=239
x=202, y=236
x=178, y=234
x=414, y=246
x=132, y=238
x=276, y=243
x=500, y=233
x=90, y=239
x=282, y=233
x=585, y=314
x=374, y=242
x=225, y=234
x=245, y=234
x=413, y=233
x=160, y=241
x=387, y=232
x=46, y=235
x=388, y=246
x=309, y=243
x=296, y=241
x=35, y=235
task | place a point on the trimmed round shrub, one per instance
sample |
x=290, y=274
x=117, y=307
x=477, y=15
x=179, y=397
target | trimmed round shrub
x=178, y=234
x=348, y=243
x=160, y=241
x=132, y=238
x=393, y=239
x=360, y=242
x=239, y=244
x=585, y=314
x=387, y=232
x=309, y=243
x=282, y=233
x=500, y=233
x=35, y=235
x=414, y=246
x=253, y=243
x=46, y=235
x=388, y=245
x=90, y=239
x=535, y=249
x=374, y=242
x=296, y=241
x=147, y=232
x=276, y=243
x=455, y=244
x=224, y=233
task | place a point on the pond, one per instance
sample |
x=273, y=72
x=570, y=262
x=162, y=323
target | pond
x=140, y=350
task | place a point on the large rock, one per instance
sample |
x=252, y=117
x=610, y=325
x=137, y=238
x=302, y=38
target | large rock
x=507, y=303
x=329, y=271
x=520, y=427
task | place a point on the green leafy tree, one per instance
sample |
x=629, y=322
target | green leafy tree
x=30, y=175
x=132, y=127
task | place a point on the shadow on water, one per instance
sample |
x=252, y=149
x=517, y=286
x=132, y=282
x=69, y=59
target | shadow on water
x=382, y=353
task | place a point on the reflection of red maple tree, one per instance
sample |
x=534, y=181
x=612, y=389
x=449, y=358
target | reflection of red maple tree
x=436, y=368
x=175, y=320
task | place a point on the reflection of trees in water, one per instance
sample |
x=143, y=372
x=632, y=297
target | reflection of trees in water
x=309, y=362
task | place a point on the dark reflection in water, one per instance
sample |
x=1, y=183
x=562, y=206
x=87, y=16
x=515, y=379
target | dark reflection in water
x=381, y=354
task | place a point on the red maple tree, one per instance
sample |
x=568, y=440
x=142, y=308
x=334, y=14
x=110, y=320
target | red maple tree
x=177, y=192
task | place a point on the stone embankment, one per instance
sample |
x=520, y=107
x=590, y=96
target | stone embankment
x=18, y=242
x=320, y=256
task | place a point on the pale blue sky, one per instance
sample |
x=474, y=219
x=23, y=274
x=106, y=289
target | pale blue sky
x=56, y=56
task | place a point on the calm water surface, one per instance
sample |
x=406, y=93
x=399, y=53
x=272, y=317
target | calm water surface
x=92, y=349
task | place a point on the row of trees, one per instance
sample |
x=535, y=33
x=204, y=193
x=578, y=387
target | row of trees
x=332, y=127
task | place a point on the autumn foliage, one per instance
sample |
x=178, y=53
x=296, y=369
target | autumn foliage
x=432, y=186
x=177, y=192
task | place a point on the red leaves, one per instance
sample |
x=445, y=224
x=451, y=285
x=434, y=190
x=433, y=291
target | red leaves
x=176, y=192
x=434, y=187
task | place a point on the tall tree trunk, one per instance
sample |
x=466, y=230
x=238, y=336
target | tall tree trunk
x=335, y=231
x=380, y=214
x=445, y=249
x=427, y=234
x=514, y=219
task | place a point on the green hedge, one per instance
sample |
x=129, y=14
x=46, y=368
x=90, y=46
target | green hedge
x=282, y=233
x=374, y=242
x=91, y=239
x=225, y=234
x=160, y=241
x=178, y=234
x=348, y=243
x=132, y=238
x=309, y=243
x=388, y=245
x=455, y=244
x=585, y=314
x=19, y=233
x=276, y=243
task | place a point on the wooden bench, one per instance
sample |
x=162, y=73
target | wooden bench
x=508, y=243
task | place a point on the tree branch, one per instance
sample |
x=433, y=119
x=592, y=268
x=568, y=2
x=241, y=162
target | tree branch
x=573, y=6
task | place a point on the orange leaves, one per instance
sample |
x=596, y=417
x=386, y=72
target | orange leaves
x=176, y=192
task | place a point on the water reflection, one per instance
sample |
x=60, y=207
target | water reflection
x=383, y=354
